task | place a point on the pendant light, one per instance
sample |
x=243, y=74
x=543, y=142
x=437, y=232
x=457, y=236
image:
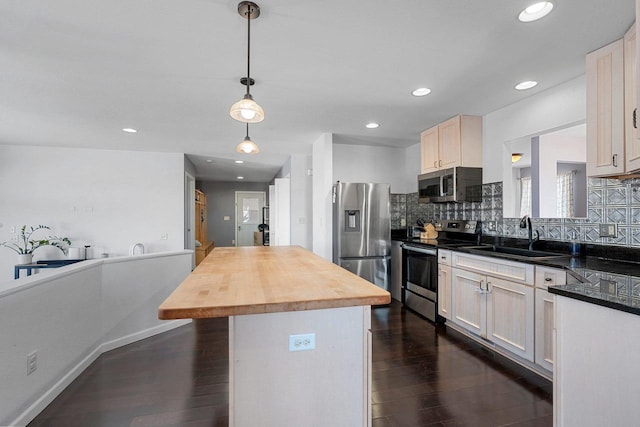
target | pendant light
x=247, y=110
x=247, y=146
x=515, y=157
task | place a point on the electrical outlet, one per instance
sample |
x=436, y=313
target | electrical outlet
x=608, y=230
x=13, y=229
x=164, y=236
x=32, y=362
x=302, y=342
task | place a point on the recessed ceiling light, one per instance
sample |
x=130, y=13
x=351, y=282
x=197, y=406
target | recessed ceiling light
x=241, y=177
x=536, y=11
x=129, y=130
x=209, y=160
x=421, y=91
x=372, y=125
x=239, y=161
x=526, y=85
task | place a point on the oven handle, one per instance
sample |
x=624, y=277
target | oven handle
x=433, y=252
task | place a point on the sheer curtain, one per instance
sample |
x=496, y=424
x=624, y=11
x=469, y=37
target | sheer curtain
x=564, y=185
x=525, y=196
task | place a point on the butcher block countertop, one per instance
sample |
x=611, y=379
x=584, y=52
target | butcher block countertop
x=267, y=279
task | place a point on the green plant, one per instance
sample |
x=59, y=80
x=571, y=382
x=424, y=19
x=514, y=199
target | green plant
x=26, y=244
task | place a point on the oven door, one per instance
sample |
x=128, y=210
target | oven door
x=421, y=271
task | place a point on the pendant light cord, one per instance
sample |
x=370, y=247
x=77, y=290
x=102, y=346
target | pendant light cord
x=247, y=130
x=249, y=12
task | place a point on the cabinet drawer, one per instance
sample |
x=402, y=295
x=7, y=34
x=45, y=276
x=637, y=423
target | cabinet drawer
x=546, y=276
x=444, y=257
x=510, y=270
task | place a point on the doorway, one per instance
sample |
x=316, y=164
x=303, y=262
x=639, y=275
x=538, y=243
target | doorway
x=249, y=206
x=189, y=214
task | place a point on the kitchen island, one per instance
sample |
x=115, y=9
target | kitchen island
x=299, y=334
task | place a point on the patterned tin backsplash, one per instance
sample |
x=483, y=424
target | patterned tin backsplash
x=609, y=201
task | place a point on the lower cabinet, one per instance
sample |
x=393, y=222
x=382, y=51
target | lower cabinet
x=498, y=310
x=544, y=329
x=468, y=303
x=504, y=302
x=444, y=291
x=544, y=277
x=510, y=316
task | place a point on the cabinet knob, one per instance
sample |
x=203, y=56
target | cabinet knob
x=548, y=279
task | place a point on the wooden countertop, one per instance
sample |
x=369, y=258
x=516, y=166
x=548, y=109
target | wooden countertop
x=267, y=279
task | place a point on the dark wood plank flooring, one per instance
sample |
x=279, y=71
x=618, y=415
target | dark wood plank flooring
x=422, y=376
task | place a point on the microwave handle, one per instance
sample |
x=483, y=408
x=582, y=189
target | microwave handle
x=442, y=186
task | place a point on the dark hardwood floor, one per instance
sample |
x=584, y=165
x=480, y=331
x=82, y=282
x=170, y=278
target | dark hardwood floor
x=422, y=376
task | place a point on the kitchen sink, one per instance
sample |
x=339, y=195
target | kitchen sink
x=515, y=252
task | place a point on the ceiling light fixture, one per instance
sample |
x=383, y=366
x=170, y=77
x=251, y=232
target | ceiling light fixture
x=239, y=161
x=241, y=177
x=421, y=91
x=372, y=125
x=129, y=130
x=515, y=157
x=526, y=85
x=536, y=11
x=247, y=146
x=247, y=110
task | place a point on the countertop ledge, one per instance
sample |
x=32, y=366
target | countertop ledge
x=267, y=279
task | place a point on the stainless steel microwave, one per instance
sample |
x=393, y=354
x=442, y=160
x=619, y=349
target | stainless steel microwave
x=459, y=184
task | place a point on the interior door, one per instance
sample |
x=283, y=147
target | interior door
x=249, y=206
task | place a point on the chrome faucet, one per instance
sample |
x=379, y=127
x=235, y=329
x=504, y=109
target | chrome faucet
x=525, y=222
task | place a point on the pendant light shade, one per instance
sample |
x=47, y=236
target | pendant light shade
x=247, y=146
x=515, y=157
x=247, y=110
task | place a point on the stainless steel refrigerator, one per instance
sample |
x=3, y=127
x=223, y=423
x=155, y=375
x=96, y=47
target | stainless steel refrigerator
x=362, y=230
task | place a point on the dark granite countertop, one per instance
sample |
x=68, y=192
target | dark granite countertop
x=612, y=282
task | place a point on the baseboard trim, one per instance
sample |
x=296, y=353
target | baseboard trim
x=48, y=396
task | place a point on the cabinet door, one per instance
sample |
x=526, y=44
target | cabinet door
x=544, y=329
x=429, y=150
x=632, y=136
x=449, y=143
x=444, y=291
x=605, y=110
x=468, y=303
x=510, y=321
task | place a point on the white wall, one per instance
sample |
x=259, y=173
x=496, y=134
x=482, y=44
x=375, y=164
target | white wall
x=103, y=198
x=548, y=110
x=364, y=163
x=301, y=201
x=413, y=166
x=322, y=182
x=73, y=314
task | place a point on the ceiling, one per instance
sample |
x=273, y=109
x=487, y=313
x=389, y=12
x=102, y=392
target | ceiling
x=74, y=73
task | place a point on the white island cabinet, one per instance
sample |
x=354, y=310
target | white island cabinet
x=596, y=377
x=299, y=334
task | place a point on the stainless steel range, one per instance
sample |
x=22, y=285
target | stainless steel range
x=420, y=264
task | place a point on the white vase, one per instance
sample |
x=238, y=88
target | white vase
x=25, y=259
